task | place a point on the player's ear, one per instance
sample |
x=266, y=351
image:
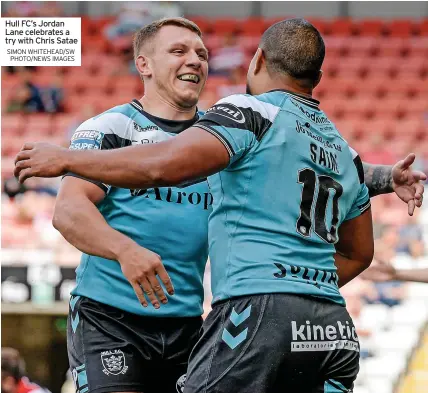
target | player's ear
x=318, y=79
x=143, y=66
x=258, y=61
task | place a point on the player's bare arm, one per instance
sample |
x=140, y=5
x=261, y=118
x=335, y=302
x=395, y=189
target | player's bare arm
x=76, y=202
x=192, y=155
x=400, y=178
x=354, y=250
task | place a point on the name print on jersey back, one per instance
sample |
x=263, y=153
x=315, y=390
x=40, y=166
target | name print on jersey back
x=291, y=181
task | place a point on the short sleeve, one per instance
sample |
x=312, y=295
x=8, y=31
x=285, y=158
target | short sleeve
x=362, y=201
x=99, y=133
x=239, y=122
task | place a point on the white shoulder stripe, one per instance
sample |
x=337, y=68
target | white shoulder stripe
x=268, y=111
x=353, y=152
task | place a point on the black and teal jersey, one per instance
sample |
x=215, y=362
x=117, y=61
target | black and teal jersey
x=291, y=181
x=170, y=221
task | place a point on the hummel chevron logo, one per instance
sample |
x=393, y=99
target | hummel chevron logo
x=74, y=322
x=236, y=319
x=73, y=302
x=233, y=342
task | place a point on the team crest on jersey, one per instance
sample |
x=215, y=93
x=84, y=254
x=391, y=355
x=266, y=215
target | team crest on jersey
x=113, y=362
x=180, y=383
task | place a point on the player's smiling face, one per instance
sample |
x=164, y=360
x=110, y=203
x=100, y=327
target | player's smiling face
x=179, y=65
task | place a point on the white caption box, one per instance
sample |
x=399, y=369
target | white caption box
x=40, y=42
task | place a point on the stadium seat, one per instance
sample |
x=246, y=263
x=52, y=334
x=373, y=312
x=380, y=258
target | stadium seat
x=370, y=27
x=336, y=46
x=124, y=83
x=414, y=65
x=351, y=66
x=95, y=44
x=61, y=122
x=225, y=26
x=401, y=28
x=253, y=27
x=361, y=46
x=418, y=45
x=358, y=108
x=380, y=67
x=205, y=24
x=342, y=27
x=423, y=27
x=38, y=125
x=248, y=43
x=12, y=124
x=391, y=46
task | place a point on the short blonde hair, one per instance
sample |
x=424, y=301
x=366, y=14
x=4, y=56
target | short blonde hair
x=149, y=31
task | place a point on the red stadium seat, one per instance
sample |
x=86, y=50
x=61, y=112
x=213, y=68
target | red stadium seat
x=342, y=27
x=401, y=28
x=382, y=66
x=12, y=124
x=348, y=128
x=339, y=87
x=371, y=27
x=361, y=46
x=62, y=122
x=351, y=66
x=333, y=108
x=393, y=47
x=125, y=84
x=335, y=46
x=413, y=65
x=388, y=107
x=249, y=43
x=415, y=108
x=225, y=26
x=38, y=125
x=9, y=82
x=423, y=27
x=253, y=27
x=98, y=24
x=418, y=45
x=96, y=44
x=204, y=24
x=359, y=108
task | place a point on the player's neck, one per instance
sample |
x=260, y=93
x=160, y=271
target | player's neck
x=159, y=107
x=291, y=85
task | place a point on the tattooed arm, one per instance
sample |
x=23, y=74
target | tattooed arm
x=400, y=178
x=378, y=179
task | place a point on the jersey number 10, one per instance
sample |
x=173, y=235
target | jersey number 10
x=308, y=178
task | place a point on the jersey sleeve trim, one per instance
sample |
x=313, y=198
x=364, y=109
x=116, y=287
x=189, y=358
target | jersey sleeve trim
x=364, y=206
x=266, y=110
x=220, y=137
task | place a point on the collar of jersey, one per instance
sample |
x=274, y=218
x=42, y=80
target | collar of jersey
x=172, y=126
x=312, y=102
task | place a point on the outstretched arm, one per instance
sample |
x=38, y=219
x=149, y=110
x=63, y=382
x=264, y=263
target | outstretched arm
x=192, y=155
x=399, y=178
x=378, y=178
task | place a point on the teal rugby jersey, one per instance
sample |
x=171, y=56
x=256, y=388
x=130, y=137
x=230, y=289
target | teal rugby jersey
x=291, y=181
x=170, y=221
